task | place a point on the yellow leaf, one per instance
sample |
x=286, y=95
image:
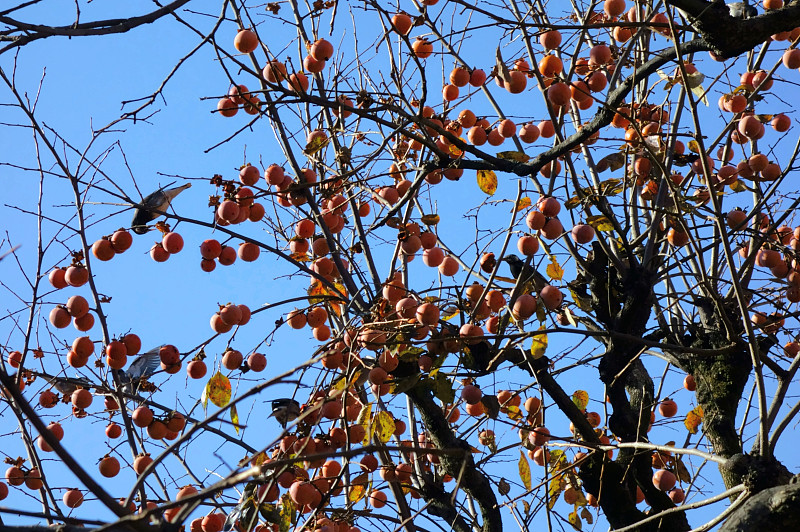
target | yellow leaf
x=487, y=181
x=383, y=426
x=514, y=413
x=693, y=419
x=218, y=389
x=581, y=399
x=555, y=488
x=524, y=470
x=539, y=345
x=600, y=223
x=554, y=269
x=430, y=219
x=300, y=257
x=318, y=293
x=235, y=418
x=738, y=186
x=454, y=150
x=287, y=512
x=449, y=311
x=364, y=417
x=571, y=203
x=316, y=144
x=358, y=488
x=575, y=520
x=570, y=317
x=516, y=156
x=523, y=203
x=693, y=146
x=700, y=92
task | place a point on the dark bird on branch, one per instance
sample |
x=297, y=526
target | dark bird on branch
x=67, y=385
x=528, y=272
x=285, y=411
x=153, y=206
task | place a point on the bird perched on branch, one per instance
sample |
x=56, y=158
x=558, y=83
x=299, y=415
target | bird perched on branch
x=67, y=385
x=517, y=267
x=153, y=206
x=285, y=410
x=740, y=9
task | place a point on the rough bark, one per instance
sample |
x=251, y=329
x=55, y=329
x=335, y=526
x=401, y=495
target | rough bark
x=774, y=509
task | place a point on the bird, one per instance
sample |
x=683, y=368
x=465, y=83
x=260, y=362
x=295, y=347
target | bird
x=285, y=410
x=742, y=10
x=153, y=206
x=141, y=368
x=517, y=266
x=67, y=385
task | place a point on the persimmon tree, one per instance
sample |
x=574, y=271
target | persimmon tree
x=492, y=265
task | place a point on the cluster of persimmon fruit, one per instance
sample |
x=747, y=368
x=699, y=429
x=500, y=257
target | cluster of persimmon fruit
x=246, y=42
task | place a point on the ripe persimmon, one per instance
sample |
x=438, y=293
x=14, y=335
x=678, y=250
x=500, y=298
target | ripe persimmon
x=76, y=276
x=109, y=466
x=422, y=48
x=246, y=41
x=402, y=23
x=321, y=50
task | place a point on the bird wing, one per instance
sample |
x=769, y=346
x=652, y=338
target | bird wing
x=145, y=364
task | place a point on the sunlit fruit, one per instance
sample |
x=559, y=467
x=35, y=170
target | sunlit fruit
x=524, y=307
x=227, y=256
x=427, y=314
x=551, y=297
x=109, y=466
x=103, y=250
x=528, y=245
x=248, y=251
x=72, y=498
x=132, y=343
x=172, y=243
x=559, y=94
x=668, y=408
x=113, y=430
x=142, y=416
x=141, y=462
x=246, y=41
x=57, y=278
x=614, y=8
x=76, y=276
x=402, y=23
x=664, y=480
x=321, y=50
x=449, y=266
x=583, y=233
x=158, y=253
x=59, y=317
x=256, y=362
x=227, y=107
x=422, y=48
x=232, y=359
